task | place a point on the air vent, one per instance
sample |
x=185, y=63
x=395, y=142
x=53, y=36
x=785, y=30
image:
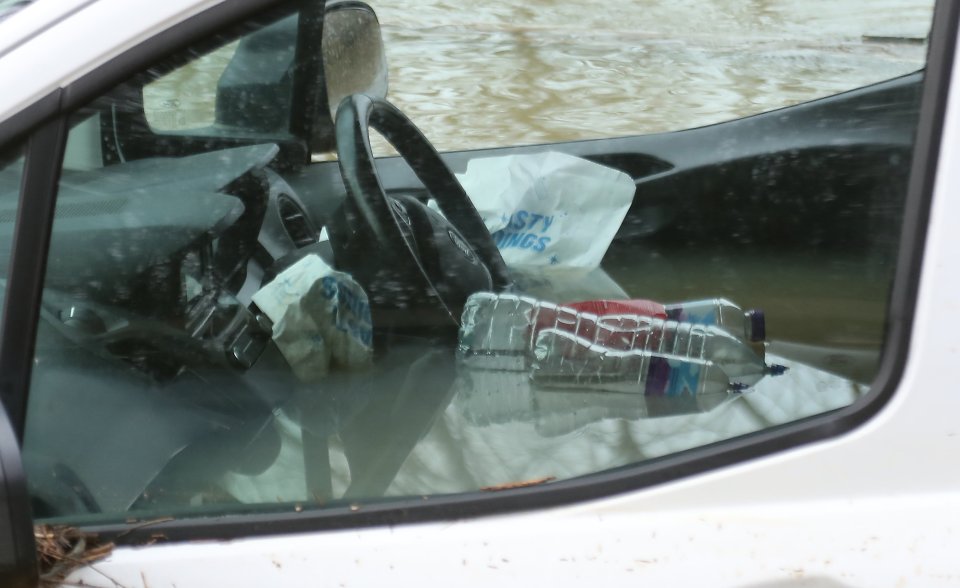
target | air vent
x=295, y=222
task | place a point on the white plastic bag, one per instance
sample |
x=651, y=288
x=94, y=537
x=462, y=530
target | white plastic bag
x=549, y=209
x=320, y=317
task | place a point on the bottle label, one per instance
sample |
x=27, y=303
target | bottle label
x=672, y=386
x=672, y=377
x=698, y=316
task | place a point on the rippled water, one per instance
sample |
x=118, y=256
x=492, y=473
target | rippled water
x=507, y=73
x=503, y=73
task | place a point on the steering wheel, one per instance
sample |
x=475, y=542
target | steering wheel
x=408, y=257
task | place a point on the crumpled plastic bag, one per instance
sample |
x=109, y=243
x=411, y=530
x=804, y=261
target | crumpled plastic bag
x=321, y=318
x=549, y=210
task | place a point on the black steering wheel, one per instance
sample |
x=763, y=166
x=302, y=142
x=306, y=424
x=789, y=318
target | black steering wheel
x=416, y=265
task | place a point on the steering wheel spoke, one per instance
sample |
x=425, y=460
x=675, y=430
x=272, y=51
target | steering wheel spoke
x=406, y=255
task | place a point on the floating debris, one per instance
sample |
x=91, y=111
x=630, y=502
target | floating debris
x=62, y=549
x=896, y=39
x=524, y=484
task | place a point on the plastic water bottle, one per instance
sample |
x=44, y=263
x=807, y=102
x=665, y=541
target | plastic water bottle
x=560, y=396
x=498, y=330
x=495, y=331
x=563, y=360
x=667, y=385
x=748, y=325
x=605, y=306
x=503, y=332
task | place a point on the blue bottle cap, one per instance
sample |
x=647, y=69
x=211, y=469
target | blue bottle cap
x=758, y=324
x=776, y=369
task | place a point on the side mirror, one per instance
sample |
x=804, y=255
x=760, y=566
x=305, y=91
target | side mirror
x=354, y=60
x=290, y=76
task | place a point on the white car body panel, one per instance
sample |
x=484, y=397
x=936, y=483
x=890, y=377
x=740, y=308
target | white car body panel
x=893, y=541
x=876, y=507
x=34, y=19
x=81, y=43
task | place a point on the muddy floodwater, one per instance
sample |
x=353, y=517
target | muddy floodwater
x=510, y=73
x=506, y=73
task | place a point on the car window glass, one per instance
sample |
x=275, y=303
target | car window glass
x=181, y=99
x=623, y=233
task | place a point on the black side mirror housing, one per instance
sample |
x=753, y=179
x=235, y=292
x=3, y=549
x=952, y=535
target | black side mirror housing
x=254, y=92
x=289, y=77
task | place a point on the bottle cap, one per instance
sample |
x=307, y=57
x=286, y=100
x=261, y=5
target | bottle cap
x=776, y=369
x=758, y=324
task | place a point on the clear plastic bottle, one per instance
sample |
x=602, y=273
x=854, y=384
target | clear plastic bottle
x=495, y=331
x=748, y=325
x=498, y=331
x=669, y=384
x=503, y=332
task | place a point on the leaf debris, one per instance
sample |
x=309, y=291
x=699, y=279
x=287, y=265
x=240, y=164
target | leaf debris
x=523, y=484
x=61, y=549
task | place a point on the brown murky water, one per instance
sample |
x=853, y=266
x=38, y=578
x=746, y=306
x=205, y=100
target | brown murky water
x=509, y=73
x=506, y=73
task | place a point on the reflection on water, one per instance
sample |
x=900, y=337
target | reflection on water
x=422, y=437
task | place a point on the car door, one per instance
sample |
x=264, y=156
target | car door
x=167, y=399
